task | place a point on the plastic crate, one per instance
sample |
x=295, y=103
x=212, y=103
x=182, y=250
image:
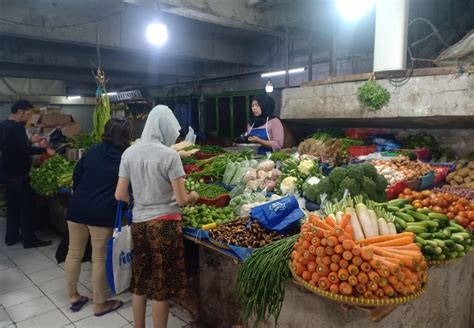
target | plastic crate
x=427, y=180
x=220, y=201
x=361, y=134
x=355, y=151
x=413, y=184
x=394, y=190
x=422, y=154
x=440, y=173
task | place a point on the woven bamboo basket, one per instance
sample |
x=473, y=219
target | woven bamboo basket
x=355, y=300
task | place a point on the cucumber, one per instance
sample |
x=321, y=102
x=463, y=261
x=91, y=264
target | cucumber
x=393, y=209
x=399, y=202
x=398, y=227
x=423, y=210
x=454, y=229
x=409, y=208
x=415, y=229
x=451, y=255
x=450, y=244
x=404, y=216
x=461, y=254
x=459, y=248
x=426, y=235
x=401, y=223
x=457, y=226
x=432, y=243
x=440, y=257
x=427, y=249
x=440, y=243
x=418, y=216
x=439, y=235
x=457, y=239
x=433, y=215
x=447, y=232
x=467, y=248
x=465, y=235
x=420, y=241
x=437, y=250
x=425, y=224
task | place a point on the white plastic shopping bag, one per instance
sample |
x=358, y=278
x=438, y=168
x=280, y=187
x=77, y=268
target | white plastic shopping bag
x=191, y=136
x=119, y=253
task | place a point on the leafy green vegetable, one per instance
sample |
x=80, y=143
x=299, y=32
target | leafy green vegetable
x=279, y=156
x=210, y=191
x=52, y=175
x=373, y=95
x=211, y=149
x=82, y=141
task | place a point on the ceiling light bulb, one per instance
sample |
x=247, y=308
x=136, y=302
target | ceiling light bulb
x=157, y=34
x=73, y=97
x=353, y=9
x=269, y=87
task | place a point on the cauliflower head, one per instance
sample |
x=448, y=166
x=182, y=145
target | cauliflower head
x=305, y=166
x=288, y=185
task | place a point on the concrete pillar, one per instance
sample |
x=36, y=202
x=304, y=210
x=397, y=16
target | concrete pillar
x=391, y=30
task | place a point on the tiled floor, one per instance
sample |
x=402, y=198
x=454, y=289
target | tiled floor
x=32, y=292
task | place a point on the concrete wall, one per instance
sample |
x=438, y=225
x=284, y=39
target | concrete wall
x=448, y=301
x=427, y=96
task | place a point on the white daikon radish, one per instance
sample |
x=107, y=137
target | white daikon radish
x=365, y=221
x=392, y=228
x=373, y=220
x=339, y=216
x=354, y=222
x=383, y=227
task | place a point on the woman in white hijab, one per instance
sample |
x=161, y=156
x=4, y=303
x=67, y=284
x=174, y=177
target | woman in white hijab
x=156, y=176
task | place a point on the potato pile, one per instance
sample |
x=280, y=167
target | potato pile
x=463, y=177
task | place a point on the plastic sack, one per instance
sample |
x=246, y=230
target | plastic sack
x=191, y=136
x=279, y=214
x=119, y=253
x=384, y=142
x=459, y=54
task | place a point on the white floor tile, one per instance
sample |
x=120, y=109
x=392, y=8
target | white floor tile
x=13, y=279
x=30, y=309
x=46, y=275
x=60, y=299
x=5, y=319
x=112, y=320
x=126, y=311
x=3, y=255
x=6, y=264
x=40, y=263
x=52, y=286
x=173, y=322
x=125, y=297
x=181, y=313
x=20, y=296
x=50, y=319
x=86, y=311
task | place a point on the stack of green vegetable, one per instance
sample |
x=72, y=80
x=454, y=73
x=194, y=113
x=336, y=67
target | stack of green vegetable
x=211, y=149
x=294, y=174
x=199, y=216
x=191, y=184
x=210, y=191
x=215, y=167
x=438, y=237
x=361, y=179
x=101, y=114
x=53, y=174
x=82, y=141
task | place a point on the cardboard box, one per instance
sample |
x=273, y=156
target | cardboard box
x=71, y=130
x=50, y=120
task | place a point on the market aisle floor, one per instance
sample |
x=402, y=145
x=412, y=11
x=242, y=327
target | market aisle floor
x=32, y=292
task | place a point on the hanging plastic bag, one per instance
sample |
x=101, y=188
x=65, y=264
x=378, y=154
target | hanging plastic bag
x=279, y=214
x=119, y=253
x=191, y=136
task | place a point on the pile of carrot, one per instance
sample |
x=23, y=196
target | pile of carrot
x=327, y=257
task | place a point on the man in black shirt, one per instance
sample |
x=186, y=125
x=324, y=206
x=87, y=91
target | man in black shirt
x=16, y=165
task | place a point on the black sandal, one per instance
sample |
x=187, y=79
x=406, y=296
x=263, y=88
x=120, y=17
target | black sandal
x=113, y=308
x=77, y=306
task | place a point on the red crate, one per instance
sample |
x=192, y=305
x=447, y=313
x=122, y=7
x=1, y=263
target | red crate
x=422, y=154
x=394, y=190
x=220, y=201
x=361, y=134
x=355, y=151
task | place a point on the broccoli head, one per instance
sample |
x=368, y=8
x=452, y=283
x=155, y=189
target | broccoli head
x=351, y=185
x=356, y=172
x=326, y=186
x=381, y=183
x=339, y=194
x=337, y=175
x=369, y=171
x=369, y=186
x=312, y=192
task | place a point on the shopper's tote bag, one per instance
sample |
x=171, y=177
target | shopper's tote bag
x=119, y=253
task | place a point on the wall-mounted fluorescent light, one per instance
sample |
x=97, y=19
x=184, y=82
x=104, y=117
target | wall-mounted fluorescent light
x=291, y=71
x=273, y=74
x=296, y=70
x=73, y=97
x=111, y=93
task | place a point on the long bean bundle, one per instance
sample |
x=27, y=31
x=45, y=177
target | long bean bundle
x=215, y=166
x=261, y=281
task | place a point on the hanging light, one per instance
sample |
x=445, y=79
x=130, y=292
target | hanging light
x=157, y=32
x=269, y=87
x=353, y=9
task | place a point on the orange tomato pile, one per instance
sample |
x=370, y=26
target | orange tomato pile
x=455, y=207
x=327, y=257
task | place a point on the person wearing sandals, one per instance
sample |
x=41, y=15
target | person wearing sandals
x=156, y=175
x=91, y=213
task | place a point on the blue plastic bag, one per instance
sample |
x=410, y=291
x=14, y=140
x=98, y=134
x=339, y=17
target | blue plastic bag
x=278, y=214
x=384, y=142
